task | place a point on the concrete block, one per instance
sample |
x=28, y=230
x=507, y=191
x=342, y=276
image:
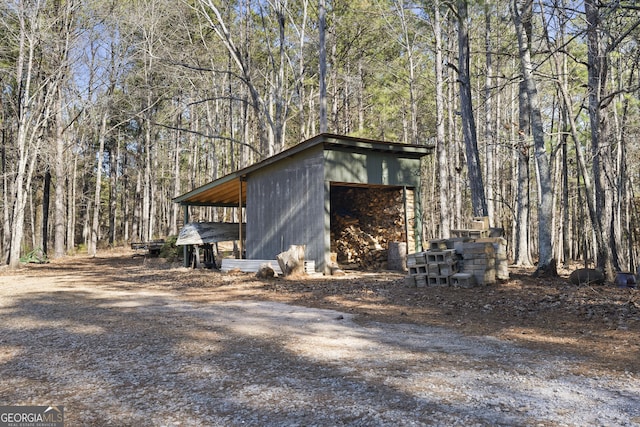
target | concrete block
x=448, y=269
x=463, y=280
x=410, y=281
x=438, y=245
x=438, y=281
x=440, y=256
x=433, y=269
x=414, y=271
x=477, y=248
x=421, y=281
x=484, y=220
x=418, y=258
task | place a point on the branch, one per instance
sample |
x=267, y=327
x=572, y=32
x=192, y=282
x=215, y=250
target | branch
x=195, y=132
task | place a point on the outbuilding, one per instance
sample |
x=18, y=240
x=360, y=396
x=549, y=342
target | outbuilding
x=305, y=194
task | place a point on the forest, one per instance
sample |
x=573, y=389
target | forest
x=111, y=108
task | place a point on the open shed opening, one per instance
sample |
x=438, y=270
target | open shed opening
x=365, y=219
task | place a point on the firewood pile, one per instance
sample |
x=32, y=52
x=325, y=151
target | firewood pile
x=363, y=223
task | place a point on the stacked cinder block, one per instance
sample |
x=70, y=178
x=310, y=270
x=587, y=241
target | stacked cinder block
x=464, y=261
x=479, y=261
x=433, y=267
x=479, y=229
x=500, y=248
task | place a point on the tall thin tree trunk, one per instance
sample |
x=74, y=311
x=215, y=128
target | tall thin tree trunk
x=597, y=59
x=478, y=200
x=522, y=249
x=443, y=165
x=489, y=136
x=95, y=223
x=46, y=197
x=60, y=179
x=522, y=19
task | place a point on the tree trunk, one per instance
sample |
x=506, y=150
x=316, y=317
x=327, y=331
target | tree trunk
x=489, y=136
x=597, y=59
x=95, y=223
x=443, y=165
x=46, y=197
x=522, y=250
x=478, y=200
x=522, y=19
x=60, y=178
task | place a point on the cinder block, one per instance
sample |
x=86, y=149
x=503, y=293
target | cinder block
x=477, y=248
x=419, y=258
x=484, y=220
x=438, y=281
x=411, y=261
x=448, y=269
x=433, y=269
x=463, y=280
x=410, y=281
x=486, y=278
x=419, y=269
x=440, y=256
x=457, y=243
x=438, y=245
x=421, y=281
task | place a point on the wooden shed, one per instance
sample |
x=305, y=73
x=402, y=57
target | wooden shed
x=307, y=193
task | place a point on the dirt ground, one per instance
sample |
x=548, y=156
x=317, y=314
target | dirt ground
x=599, y=322
x=73, y=302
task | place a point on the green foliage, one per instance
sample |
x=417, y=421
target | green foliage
x=36, y=256
x=170, y=251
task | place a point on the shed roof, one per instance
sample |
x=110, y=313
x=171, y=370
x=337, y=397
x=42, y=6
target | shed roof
x=231, y=190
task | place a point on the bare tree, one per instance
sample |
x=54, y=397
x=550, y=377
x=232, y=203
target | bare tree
x=322, y=23
x=478, y=200
x=522, y=15
x=33, y=111
x=441, y=148
x=522, y=249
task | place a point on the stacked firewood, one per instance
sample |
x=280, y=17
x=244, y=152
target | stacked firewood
x=364, y=223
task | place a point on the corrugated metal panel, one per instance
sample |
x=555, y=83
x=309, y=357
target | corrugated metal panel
x=198, y=233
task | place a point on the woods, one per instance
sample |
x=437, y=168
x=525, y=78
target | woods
x=109, y=109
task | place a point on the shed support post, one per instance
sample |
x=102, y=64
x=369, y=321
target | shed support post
x=240, y=244
x=326, y=266
x=406, y=219
x=185, y=248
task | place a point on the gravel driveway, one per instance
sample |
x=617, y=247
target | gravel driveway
x=122, y=355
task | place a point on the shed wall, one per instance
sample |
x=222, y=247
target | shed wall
x=371, y=168
x=285, y=205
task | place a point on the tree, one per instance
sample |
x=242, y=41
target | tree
x=522, y=15
x=478, y=200
x=33, y=111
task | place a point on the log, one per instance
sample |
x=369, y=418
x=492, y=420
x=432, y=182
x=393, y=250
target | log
x=292, y=260
x=586, y=276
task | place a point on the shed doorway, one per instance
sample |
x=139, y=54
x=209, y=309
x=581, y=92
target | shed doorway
x=366, y=219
